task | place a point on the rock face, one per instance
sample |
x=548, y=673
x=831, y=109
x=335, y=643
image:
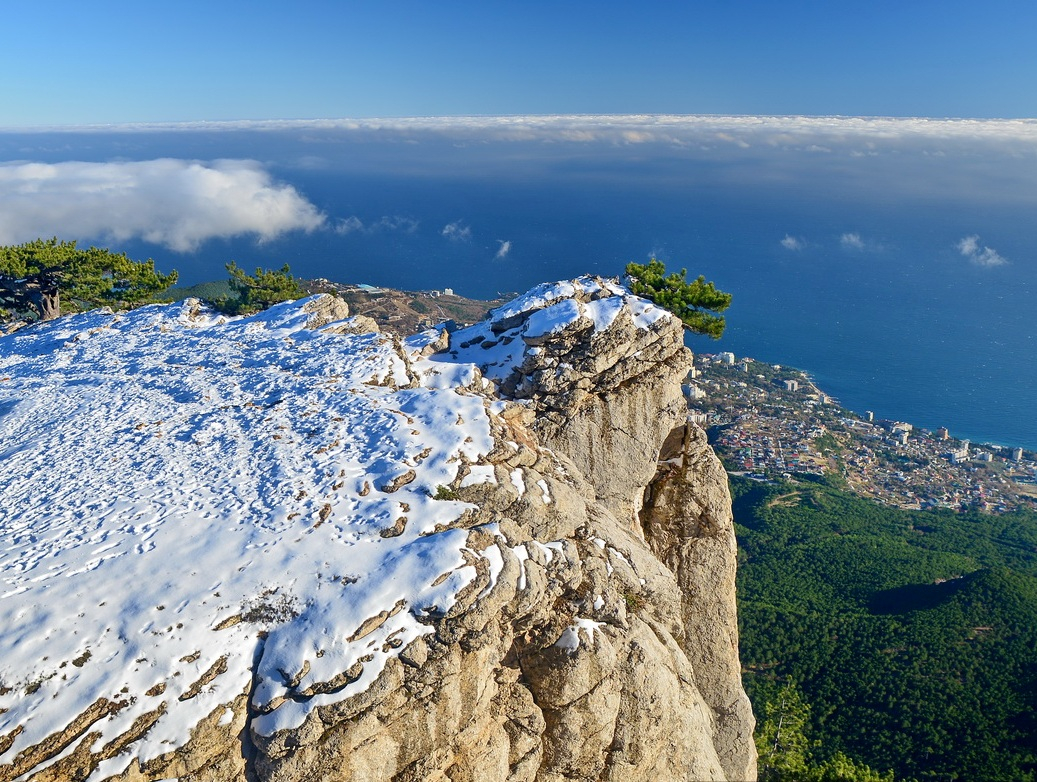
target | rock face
x=582, y=623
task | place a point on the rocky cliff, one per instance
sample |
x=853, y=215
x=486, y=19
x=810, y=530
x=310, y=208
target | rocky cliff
x=290, y=548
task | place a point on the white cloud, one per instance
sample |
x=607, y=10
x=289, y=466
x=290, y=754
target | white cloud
x=348, y=225
x=407, y=225
x=970, y=247
x=792, y=243
x=175, y=203
x=505, y=248
x=457, y=232
x=851, y=241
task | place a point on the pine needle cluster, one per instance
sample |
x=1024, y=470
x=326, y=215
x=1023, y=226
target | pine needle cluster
x=695, y=303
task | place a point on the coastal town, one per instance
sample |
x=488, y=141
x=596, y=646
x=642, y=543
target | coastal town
x=768, y=421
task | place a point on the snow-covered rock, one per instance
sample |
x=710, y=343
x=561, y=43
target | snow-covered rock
x=289, y=547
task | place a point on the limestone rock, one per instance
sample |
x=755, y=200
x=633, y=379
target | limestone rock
x=324, y=309
x=688, y=524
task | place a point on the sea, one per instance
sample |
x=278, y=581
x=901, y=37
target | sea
x=893, y=260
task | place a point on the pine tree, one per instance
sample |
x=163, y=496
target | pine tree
x=35, y=275
x=262, y=289
x=787, y=755
x=693, y=302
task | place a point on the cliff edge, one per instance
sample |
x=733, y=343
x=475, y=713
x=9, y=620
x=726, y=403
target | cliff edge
x=289, y=547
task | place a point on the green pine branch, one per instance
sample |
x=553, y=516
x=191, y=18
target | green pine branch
x=696, y=303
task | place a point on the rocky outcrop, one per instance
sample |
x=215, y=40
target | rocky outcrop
x=606, y=387
x=577, y=621
x=607, y=394
x=687, y=521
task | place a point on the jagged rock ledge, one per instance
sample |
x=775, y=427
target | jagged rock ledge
x=288, y=547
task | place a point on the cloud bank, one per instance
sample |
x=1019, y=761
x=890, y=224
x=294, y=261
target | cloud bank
x=808, y=132
x=178, y=204
x=505, y=248
x=792, y=243
x=970, y=247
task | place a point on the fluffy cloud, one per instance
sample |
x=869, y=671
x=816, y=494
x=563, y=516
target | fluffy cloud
x=457, y=232
x=792, y=243
x=175, y=203
x=505, y=248
x=353, y=224
x=851, y=241
x=970, y=247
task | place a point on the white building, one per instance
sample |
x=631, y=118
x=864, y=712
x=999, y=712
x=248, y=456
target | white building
x=962, y=454
x=726, y=358
x=692, y=391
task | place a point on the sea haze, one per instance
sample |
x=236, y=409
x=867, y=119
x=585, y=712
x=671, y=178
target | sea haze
x=893, y=259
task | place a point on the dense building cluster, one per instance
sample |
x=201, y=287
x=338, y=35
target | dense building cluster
x=767, y=421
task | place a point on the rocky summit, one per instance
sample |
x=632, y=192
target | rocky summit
x=291, y=547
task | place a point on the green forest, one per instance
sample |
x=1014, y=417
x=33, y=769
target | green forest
x=909, y=636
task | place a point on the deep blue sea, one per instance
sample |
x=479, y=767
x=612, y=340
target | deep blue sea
x=900, y=273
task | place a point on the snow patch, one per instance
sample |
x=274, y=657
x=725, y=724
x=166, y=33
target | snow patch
x=480, y=473
x=569, y=640
x=545, y=493
x=518, y=481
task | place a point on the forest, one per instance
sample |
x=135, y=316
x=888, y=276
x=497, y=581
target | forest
x=910, y=636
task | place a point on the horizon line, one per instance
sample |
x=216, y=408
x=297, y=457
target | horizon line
x=473, y=121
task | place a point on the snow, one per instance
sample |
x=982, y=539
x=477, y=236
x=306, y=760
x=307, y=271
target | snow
x=647, y=314
x=522, y=554
x=480, y=473
x=604, y=311
x=569, y=640
x=181, y=493
x=553, y=319
x=536, y=298
x=176, y=486
x=518, y=481
x=497, y=345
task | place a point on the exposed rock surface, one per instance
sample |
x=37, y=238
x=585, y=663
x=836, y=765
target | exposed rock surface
x=577, y=619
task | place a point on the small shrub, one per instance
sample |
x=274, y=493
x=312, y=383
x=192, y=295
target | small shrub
x=445, y=493
x=634, y=600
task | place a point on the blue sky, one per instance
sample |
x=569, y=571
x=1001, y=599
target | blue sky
x=111, y=61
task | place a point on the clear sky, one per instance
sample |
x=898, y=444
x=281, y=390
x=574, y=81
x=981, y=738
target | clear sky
x=111, y=61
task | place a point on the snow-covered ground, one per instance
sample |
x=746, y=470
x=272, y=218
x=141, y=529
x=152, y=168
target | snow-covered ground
x=164, y=476
x=182, y=495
